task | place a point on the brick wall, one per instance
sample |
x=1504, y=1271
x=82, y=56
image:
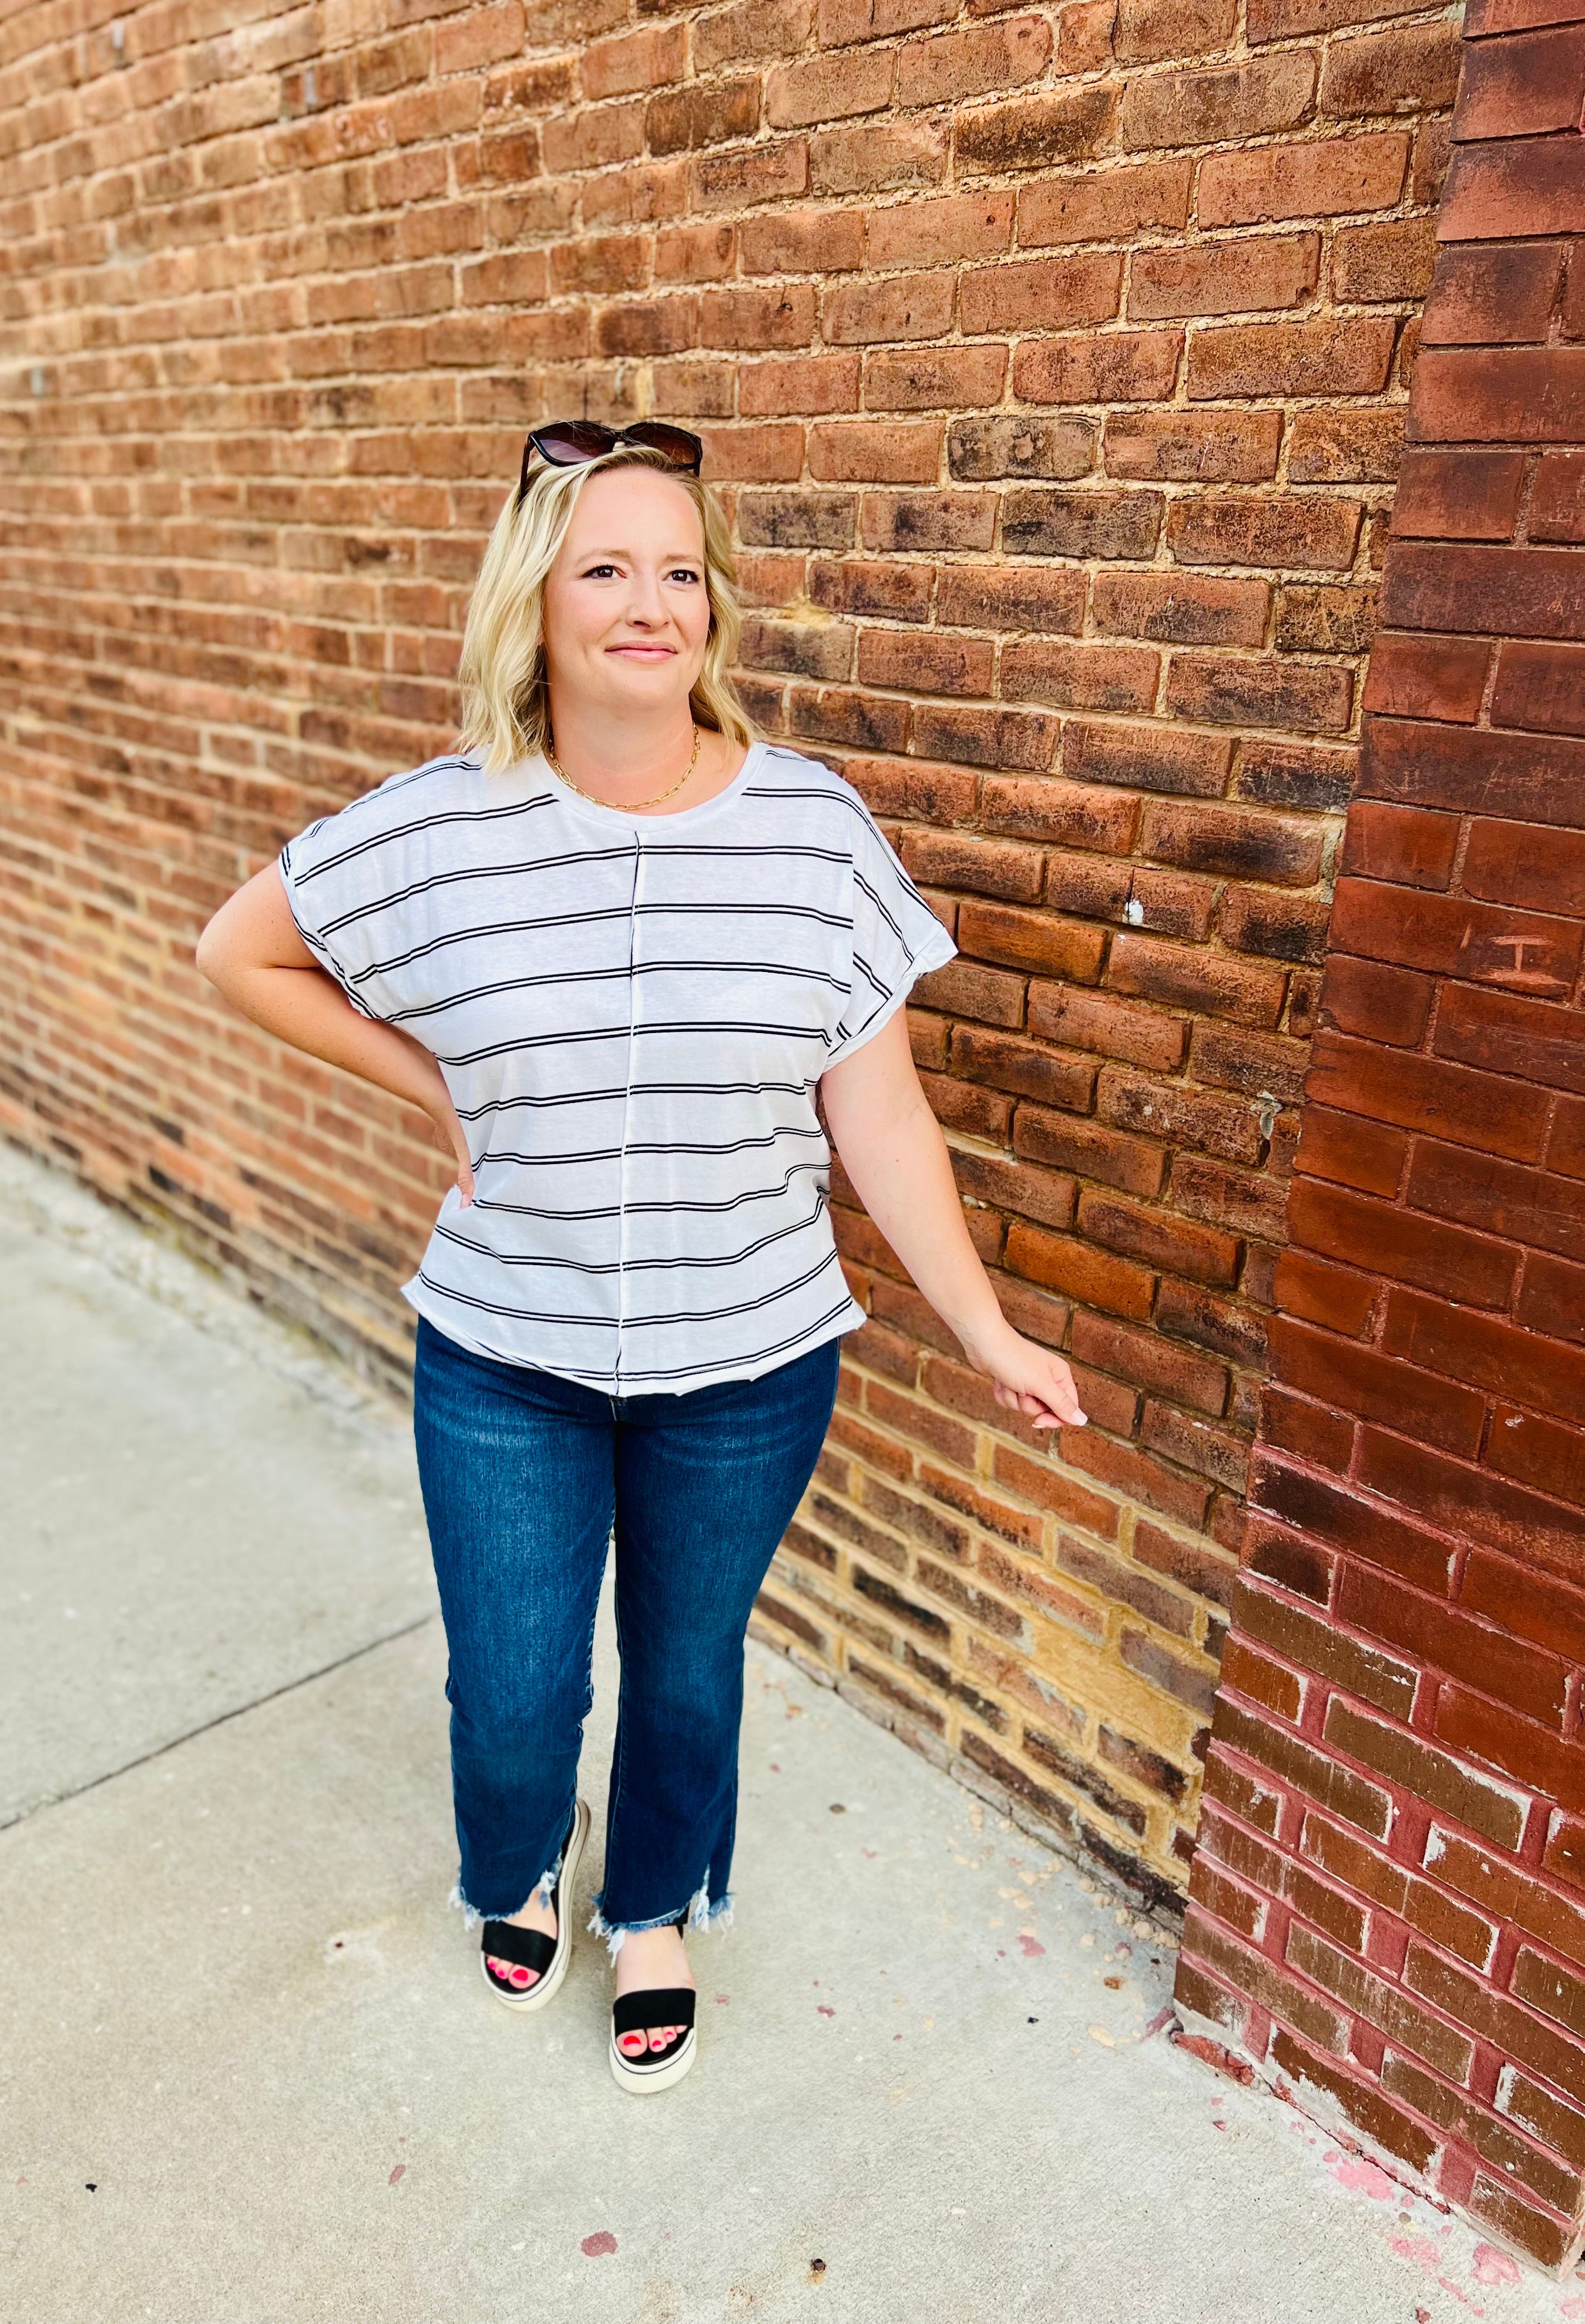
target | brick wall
x=1388, y=1907
x=1054, y=359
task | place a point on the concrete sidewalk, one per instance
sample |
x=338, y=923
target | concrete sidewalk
x=252, y=2074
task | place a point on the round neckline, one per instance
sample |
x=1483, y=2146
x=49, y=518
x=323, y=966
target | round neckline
x=597, y=810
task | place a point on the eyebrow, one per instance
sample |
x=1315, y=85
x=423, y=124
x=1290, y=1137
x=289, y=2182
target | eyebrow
x=672, y=556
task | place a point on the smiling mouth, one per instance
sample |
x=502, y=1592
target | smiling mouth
x=644, y=652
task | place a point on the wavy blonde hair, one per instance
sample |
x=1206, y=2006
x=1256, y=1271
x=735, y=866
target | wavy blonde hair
x=505, y=699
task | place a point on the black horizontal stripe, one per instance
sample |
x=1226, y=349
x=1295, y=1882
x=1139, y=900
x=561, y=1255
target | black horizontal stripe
x=465, y=815
x=806, y=1340
x=634, y=1322
x=800, y=1226
x=541, y=984
x=548, y=921
x=637, y=1032
x=537, y=1103
x=633, y=1209
x=669, y=1145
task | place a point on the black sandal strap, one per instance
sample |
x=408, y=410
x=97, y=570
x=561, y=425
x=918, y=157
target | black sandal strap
x=527, y=1947
x=660, y=2004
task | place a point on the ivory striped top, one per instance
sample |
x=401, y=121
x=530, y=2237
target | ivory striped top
x=632, y=1013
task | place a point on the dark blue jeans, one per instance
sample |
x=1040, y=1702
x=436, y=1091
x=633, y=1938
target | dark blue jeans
x=524, y=1474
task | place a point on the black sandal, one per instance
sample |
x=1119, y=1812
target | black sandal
x=531, y=1948
x=664, y=2005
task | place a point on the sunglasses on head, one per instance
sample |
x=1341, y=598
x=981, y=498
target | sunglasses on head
x=566, y=443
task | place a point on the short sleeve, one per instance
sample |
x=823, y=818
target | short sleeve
x=897, y=939
x=335, y=892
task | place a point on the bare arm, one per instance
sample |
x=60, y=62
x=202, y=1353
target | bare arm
x=251, y=952
x=893, y=1148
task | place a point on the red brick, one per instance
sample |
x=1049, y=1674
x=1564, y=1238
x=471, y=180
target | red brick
x=1194, y=447
x=1344, y=447
x=1557, y=498
x=1399, y=1244
x=1540, y=686
x=1049, y=293
x=1238, y=528
x=1459, y=495
x=1543, y=1043
x=1021, y=1068
x=1093, y=1151
x=1520, y=1748
x=1032, y=133
x=1073, y=814
x=1412, y=676
x=1080, y=677
x=1063, y=1264
x=1398, y=1395
x=986, y=738
x=1351, y=1152
x=1320, y=1777
x=1479, y=1109
x=1230, y=278
x=828, y=89
x=1190, y=109
x=925, y=663
x=1341, y=1300
x=1105, y=206
x=1488, y=1352
x=1185, y=977
x=1031, y=940
x=1515, y=592
x=1158, y=1238
x=985, y=450
x=1238, y=843
x=1113, y=1029
x=799, y=383
x=930, y=379
x=1521, y=1600
x=1322, y=178
x=898, y=307
x=939, y=233
x=1400, y=843
x=1233, y=690
x=1329, y=358
x=1457, y=937
x=1187, y=1116
x=1522, y=86
x=1147, y=759
x=1010, y=597
x=1493, y=295
x=1117, y=367
x=1472, y=1503
x=927, y=520
x=1499, y=393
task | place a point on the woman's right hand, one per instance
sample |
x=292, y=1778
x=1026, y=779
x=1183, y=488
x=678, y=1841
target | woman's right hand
x=451, y=1137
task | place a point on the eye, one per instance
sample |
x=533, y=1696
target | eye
x=683, y=573
x=599, y=572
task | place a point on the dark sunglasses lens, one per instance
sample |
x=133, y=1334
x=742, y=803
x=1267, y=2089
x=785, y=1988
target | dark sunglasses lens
x=571, y=441
x=671, y=443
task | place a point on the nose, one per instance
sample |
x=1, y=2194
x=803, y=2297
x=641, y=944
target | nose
x=646, y=609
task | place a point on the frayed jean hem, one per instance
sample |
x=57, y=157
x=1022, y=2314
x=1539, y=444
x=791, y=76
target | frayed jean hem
x=700, y=1912
x=543, y=1888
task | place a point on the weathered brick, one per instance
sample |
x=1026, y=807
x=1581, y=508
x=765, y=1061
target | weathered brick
x=1191, y=108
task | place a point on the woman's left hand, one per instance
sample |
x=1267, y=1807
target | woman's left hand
x=1030, y=1379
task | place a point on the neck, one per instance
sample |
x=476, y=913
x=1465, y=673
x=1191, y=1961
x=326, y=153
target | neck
x=618, y=759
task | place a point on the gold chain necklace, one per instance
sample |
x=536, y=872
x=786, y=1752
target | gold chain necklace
x=628, y=806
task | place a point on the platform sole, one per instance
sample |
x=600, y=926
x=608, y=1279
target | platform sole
x=548, y=1986
x=641, y=2081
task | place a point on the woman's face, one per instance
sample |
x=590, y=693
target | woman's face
x=626, y=613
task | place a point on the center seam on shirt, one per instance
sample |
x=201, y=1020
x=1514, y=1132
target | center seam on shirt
x=627, y=1101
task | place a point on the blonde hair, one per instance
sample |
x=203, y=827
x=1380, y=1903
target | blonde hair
x=505, y=699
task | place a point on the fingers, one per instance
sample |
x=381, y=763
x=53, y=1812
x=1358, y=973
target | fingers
x=465, y=1182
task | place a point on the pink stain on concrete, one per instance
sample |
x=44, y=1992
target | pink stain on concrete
x=1493, y=2266
x=1361, y=2177
x=400, y=2171
x=1031, y=1947
x=596, y=2246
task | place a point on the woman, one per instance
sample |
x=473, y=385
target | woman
x=612, y=947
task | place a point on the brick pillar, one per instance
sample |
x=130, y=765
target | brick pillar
x=1386, y=1909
